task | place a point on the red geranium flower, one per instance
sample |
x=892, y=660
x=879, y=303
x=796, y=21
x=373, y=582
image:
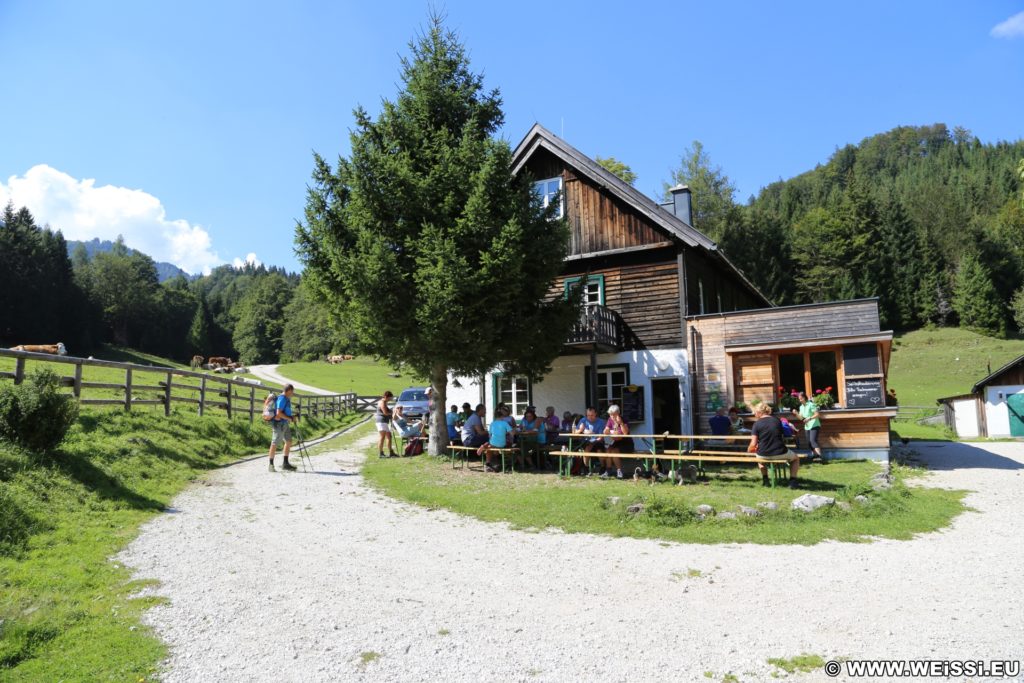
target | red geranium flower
x=818, y=391
x=828, y=388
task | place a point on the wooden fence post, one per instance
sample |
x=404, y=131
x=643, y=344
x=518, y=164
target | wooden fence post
x=252, y=404
x=19, y=371
x=230, y=392
x=77, y=386
x=127, y=389
x=202, y=395
x=167, y=395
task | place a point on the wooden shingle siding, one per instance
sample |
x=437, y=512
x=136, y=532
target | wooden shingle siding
x=598, y=222
x=645, y=295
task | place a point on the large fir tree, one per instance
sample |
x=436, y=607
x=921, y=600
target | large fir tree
x=425, y=242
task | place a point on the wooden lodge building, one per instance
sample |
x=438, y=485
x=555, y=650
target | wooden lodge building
x=672, y=330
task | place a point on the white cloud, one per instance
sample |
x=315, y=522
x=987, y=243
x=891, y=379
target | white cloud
x=250, y=259
x=1011, y=28
x=82, y=211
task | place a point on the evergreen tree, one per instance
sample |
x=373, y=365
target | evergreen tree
x=260, y=328
x=424, y=240
x=1017, y=309
x=198, y=339
x=124, y=285
x=975, y=299
x=713, y=193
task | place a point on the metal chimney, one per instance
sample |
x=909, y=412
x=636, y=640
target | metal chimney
x=682, y=204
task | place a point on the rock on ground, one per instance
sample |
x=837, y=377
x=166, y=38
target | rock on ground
x=809, y=502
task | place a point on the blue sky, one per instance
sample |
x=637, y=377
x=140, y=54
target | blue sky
x=195, y=121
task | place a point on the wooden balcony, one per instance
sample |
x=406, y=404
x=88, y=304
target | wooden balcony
x=599, y=329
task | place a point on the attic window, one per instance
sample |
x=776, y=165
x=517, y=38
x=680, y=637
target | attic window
x=549, y=190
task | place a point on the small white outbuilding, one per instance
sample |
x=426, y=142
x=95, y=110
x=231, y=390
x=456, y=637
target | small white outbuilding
x=994, y=408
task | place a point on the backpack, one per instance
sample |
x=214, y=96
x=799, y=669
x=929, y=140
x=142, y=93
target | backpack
x=269, y=407
x=414, y=447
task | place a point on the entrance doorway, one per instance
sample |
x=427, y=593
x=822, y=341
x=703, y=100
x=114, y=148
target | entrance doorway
x=666, y=409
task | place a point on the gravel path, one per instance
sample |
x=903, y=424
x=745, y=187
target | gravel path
x=293, y=577
x=269, y=373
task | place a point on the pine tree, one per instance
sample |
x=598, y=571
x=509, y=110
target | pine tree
x=425, y=242
x=198, y=339
x=975, y=299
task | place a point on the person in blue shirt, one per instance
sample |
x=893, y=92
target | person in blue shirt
x=591, y=424
x=281, y=423
x=500, y=436
x=720, y=423
x=452, y=420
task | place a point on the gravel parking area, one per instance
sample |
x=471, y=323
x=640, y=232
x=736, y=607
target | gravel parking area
x=315, y=577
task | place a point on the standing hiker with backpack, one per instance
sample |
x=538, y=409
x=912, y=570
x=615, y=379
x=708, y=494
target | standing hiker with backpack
x=281, y=417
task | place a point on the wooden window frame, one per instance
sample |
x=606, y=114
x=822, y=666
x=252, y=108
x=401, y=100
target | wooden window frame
x=611, y=367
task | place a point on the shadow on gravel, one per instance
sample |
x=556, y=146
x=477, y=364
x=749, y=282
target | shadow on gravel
x=946, y=456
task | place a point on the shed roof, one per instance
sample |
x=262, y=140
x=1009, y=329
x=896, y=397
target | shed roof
x=995, y=375
x=540, y=137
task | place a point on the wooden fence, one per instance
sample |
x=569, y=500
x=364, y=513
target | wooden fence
x=151, y=385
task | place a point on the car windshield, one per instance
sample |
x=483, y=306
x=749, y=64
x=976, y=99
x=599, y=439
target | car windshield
x=413, y=395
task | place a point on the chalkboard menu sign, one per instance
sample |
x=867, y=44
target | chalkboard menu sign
x=864, y=393
x=861, y=359
x=633, y=404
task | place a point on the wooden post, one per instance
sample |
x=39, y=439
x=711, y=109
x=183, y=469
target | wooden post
x=167, y=396
x=19, y=371
x=77, y=387
x=252, y=404
x=231, y=388
x=202, y=395
x=127, y=389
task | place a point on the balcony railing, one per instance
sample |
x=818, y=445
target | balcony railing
x=599, y=327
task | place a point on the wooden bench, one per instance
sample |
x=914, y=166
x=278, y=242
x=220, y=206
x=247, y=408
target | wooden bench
x=503, y=452
x=777, y=468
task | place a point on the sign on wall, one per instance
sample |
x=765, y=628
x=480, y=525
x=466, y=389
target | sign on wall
x=864, y=393
x=633, y=403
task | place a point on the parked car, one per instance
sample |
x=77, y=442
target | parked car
x=414, y=402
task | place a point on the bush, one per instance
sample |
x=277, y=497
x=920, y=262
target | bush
x=35, y=415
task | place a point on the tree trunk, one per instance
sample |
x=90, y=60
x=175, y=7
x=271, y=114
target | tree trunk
x=438, y=424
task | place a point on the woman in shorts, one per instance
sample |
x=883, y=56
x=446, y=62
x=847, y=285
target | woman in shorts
x=382, y=421
x=618, y=429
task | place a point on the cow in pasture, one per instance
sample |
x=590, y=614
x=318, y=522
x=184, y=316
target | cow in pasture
x=347, y=357
x=334, y=360
x=197, y=362
x=57, y=349
x=219, y=361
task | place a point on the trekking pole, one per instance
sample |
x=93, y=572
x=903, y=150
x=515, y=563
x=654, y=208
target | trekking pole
x=303, y=451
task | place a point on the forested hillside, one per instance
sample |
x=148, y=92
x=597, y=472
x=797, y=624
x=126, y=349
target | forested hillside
x=164, y=271
x=254, y=313
x=930, y=221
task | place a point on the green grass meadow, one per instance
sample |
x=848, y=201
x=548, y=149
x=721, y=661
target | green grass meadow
x=363, y=375
x=577, y=505
x=66, y=610
x=930, y=364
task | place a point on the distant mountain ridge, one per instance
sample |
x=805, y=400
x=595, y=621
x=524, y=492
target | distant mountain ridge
x=164, y=271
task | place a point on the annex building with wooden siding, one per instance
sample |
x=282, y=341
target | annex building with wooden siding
x=665, y=313
x=993, y=409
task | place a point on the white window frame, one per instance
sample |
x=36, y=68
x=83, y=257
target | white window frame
x=607, y=392
x=513, y=385
x=542, y=189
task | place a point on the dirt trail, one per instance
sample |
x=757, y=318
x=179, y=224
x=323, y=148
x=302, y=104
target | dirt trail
x=269, y=373
x=315, y=577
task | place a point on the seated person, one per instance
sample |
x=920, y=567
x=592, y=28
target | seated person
x=591, y=424
x=768, y=441
x=451, y=418
x=467, y=410
x=737, y=422
x=402, y=426
x=499, y=436
x=473, y=432
x=720, y=424
x=551, y=424
x=533, y=435
x=618, y=429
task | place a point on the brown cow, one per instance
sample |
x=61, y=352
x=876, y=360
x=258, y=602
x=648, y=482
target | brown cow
x=347, y=357
x=197, y=362
x=52, y=349
x=219, y=361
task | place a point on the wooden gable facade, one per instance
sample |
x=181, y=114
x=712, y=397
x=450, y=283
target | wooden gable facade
x=652, y=268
